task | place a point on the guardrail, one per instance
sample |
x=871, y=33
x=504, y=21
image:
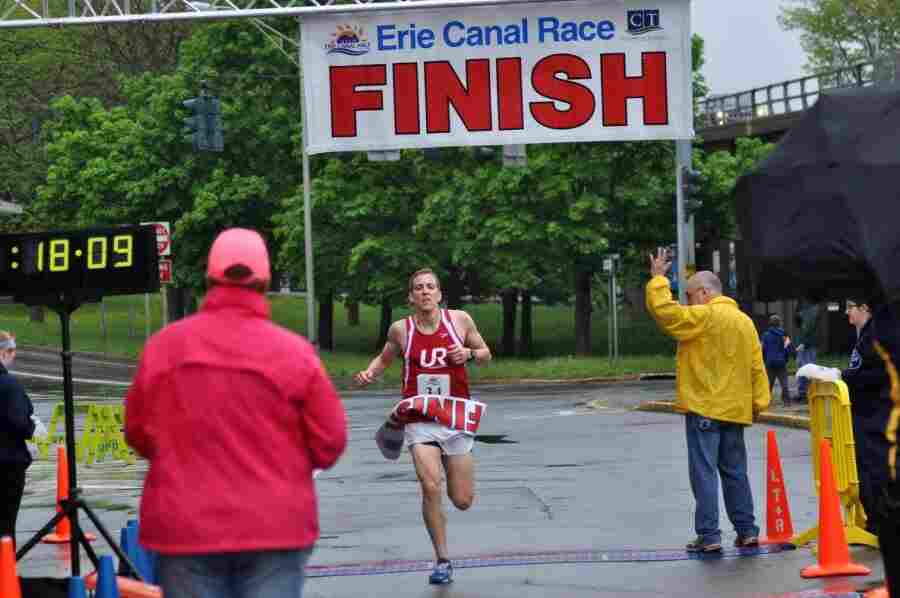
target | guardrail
x=794, y=95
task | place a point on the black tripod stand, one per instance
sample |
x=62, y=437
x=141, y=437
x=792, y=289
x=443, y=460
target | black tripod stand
x=64, y=304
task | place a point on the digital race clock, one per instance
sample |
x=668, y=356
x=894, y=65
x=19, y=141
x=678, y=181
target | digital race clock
x=103, y=261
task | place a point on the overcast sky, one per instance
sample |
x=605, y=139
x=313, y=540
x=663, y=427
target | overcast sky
x=745, y=47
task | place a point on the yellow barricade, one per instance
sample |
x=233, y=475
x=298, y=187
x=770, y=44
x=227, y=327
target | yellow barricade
x=53, y=437
x=111, y=440
x=830, y=419
x=101, y=435
x=91, y=435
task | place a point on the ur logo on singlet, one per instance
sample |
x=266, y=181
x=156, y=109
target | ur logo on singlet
x=437, y=359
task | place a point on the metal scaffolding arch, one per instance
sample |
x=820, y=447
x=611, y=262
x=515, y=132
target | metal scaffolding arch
x=58, y=13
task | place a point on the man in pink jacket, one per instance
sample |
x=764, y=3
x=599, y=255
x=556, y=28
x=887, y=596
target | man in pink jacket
x=234, y=413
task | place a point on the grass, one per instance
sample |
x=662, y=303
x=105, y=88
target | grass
x=641, y=346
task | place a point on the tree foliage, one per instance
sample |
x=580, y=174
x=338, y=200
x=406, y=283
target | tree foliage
x=842, y=33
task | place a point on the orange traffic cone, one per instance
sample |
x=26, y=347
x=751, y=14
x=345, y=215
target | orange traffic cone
x=834, y=554
x=9, y=578
x=128, y=588
x=779, y=528
x=63, y=528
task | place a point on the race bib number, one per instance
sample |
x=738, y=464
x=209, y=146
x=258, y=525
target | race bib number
x=433, y=384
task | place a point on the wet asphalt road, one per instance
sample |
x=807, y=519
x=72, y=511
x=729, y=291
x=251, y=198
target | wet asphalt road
x=567, y=467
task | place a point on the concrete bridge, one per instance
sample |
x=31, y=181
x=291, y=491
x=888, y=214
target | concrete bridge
x=769, y=111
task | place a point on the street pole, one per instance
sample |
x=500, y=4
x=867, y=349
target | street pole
x=164, y=305
x=615, y=311
x=685, y=226
x=146, y=316
x=311, y=330
x=610, y=264
x=609, y=320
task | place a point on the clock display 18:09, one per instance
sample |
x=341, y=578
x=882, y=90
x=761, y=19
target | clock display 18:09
x=99, y=253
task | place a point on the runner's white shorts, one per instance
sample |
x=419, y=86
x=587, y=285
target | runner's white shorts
x=452, y=442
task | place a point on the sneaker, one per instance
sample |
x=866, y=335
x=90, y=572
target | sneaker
x=441, y=574
x=698, y=545
x=746, y=541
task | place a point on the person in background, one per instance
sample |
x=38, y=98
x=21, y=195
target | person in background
x=234, y=413
x=807, y=319
x=777, y=349
x=721, y=385
x=16, y=426
x=870, y=406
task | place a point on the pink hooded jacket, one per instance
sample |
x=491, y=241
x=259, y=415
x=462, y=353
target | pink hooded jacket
x=233, y=412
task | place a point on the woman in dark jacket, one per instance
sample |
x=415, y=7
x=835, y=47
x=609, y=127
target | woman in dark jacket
x=870, y=405
x=16, y=426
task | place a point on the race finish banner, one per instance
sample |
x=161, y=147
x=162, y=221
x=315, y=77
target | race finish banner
x=601, y=70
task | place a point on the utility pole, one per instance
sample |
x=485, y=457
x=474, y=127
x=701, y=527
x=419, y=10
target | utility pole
x=610, y=266
x=684, y=218
x=312, y=331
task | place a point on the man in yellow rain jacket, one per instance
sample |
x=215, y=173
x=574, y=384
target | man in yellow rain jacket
x=721, y=384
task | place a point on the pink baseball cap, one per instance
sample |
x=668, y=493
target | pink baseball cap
x=239, y=247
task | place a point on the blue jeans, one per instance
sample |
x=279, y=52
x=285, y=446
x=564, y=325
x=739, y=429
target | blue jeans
x=717, y=449
x=803, y=357
x=257, y=574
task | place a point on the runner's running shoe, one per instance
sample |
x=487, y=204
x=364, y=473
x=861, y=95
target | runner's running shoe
x=441, y=574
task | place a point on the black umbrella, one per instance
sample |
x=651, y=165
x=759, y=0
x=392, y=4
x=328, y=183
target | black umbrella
x=821, y=215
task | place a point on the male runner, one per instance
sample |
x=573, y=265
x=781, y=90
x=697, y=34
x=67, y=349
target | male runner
x=435, y=345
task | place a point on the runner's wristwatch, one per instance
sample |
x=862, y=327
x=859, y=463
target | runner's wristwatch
x=471, y=355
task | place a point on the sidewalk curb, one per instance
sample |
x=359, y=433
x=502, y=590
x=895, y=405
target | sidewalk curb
x=594, y=380
x=766, y=417
x=118, y=359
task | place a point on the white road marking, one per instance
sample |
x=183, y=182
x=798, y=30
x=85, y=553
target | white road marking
x=80, y=380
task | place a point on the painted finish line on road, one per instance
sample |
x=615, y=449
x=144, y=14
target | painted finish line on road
x=537, y=558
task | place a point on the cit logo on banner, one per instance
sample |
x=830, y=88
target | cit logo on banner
x=643, y=21
x=348, y=39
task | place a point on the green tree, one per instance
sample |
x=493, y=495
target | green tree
x=129, y=163
x=720, y=170
x=363, y=239
x=842, y=33
x=39, y=65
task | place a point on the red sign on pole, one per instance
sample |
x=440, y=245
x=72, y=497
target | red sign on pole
x=165, y=271
x=163, y=238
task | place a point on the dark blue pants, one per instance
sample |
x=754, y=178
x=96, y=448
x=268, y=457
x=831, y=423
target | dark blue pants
x=716, y=449
x=872, y=456
x=12, y=486
x=255, y=574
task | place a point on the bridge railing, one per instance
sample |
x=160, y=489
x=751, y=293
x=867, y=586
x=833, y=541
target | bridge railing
x=794, y=95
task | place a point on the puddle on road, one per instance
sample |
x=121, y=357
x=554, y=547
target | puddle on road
x=495, y=439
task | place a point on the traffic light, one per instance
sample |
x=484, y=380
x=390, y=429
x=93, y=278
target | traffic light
x=214, y=125
x=691, y=181
x=196, y=126
x=515, y=156
x=484, y=153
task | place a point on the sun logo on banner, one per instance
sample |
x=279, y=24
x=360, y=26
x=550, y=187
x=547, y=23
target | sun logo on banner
x=348, y=39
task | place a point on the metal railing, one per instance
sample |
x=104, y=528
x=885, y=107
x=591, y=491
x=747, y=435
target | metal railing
x=794, y=95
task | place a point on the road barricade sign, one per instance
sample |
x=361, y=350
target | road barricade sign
x=830, y=420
